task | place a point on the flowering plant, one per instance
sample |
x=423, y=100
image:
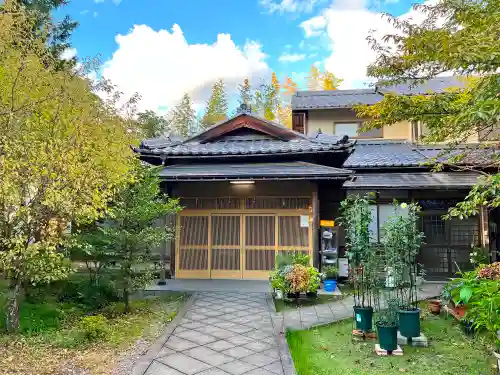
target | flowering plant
x=490, y=272
x=478, y=256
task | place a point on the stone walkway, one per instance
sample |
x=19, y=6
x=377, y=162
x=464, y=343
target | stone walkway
x=222, y=333
x=307, y=317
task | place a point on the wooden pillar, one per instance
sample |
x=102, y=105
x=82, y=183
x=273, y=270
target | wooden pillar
x=484, y=238
x=315, y=226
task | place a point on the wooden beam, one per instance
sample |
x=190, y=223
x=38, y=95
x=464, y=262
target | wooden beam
x=315, y=226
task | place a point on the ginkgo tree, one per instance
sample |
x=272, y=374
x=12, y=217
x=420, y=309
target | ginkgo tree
x=64, y=152
x=459, y=37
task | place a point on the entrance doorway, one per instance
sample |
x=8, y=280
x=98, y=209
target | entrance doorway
x=238, y=245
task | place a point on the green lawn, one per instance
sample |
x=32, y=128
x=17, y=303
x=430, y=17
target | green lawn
x=330, y=350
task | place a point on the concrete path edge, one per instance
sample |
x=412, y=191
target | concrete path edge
x=280, y=337
x=142, y=365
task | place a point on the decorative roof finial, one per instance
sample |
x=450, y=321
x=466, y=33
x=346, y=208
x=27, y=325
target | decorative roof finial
x=245, y=108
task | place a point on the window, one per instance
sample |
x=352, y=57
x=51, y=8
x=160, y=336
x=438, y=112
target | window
x=418, y=130
x=380, y=215
x=346, y=128
x=351, y=129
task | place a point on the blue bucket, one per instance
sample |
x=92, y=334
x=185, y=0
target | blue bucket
x=330, y=285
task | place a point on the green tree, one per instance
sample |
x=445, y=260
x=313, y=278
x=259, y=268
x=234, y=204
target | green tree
x=216, y=109
x=131, y=231
x=56, y=35
x=183, y=117
x=151, y=125
x=63, y=154
x=456, y=36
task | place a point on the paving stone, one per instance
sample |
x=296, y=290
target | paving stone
x=213, y=371
x=223, y=333
x=220, y=345
x=259, y=359
x=275, y=368
x=239, y=340
x=237, y=367
x=240, y=329
x=225, y=325
x=212, y=321
x=157, y=368
x=178, y=344
x=164, y=351
x=192, y=325
x=208, y=356
x=183, y=363
x=196, y=317
x=258, y=334
x=259, y=371
x=238, y=352
x=257, y=346
x=196, y=337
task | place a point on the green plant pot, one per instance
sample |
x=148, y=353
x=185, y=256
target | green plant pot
x=387, y=337
x=363, y=317
x=409, y=323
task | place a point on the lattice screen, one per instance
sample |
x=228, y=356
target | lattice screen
x=260, y=242
x=226, y=242
x=193, y=249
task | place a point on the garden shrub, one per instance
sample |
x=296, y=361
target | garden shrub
x=93, y=297
x=93, y=327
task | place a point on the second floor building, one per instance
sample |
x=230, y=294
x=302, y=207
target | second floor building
x=331, y=112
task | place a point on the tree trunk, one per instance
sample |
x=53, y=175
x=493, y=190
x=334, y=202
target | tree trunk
x=126, y=299
x=12, y=314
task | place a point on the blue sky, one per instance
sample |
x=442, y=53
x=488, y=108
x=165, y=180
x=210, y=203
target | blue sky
x=142, y=51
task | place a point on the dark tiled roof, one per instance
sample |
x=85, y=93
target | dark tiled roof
x=384, y=153
x=418, y=180
x=349, y=98
x=248, y=147
x=436, y=85
x=334, y=99
x=275, y=171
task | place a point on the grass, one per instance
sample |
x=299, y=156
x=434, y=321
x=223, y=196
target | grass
x=53, y=336
x=330, y=350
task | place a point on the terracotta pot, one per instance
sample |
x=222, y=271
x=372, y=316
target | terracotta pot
x=434, y=306
x=460, y=310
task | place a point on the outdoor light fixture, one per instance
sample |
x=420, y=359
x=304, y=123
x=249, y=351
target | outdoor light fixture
x=242, y=182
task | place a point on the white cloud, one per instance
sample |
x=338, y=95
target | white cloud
x=314, y=26
x=68, y=53
x=98, y=1
x=291, y=57
x=116, y=2
x=84, y=12
x=161, y=65
x=95, y=14
x=347, y=23
x=289, y=6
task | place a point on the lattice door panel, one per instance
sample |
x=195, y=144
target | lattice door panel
x=193, y=247
x=259, y=246
x=226, y=246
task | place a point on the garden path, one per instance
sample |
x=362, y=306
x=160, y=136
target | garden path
x=223, y=333
x=307, y=317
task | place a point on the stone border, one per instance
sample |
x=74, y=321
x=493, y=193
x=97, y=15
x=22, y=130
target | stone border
x=280, y=337
x=143, y=363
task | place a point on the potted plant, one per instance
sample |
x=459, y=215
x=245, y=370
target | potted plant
x=314, y=282
x=402, y=241
x=387, y=326
x=434, y=306
x=298, y=280
x=363, y=267
x=330, y=273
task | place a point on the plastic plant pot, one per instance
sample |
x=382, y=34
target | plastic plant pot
x=330, y=285
x=387, y=337
x=409, y=323
x=363, y=317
